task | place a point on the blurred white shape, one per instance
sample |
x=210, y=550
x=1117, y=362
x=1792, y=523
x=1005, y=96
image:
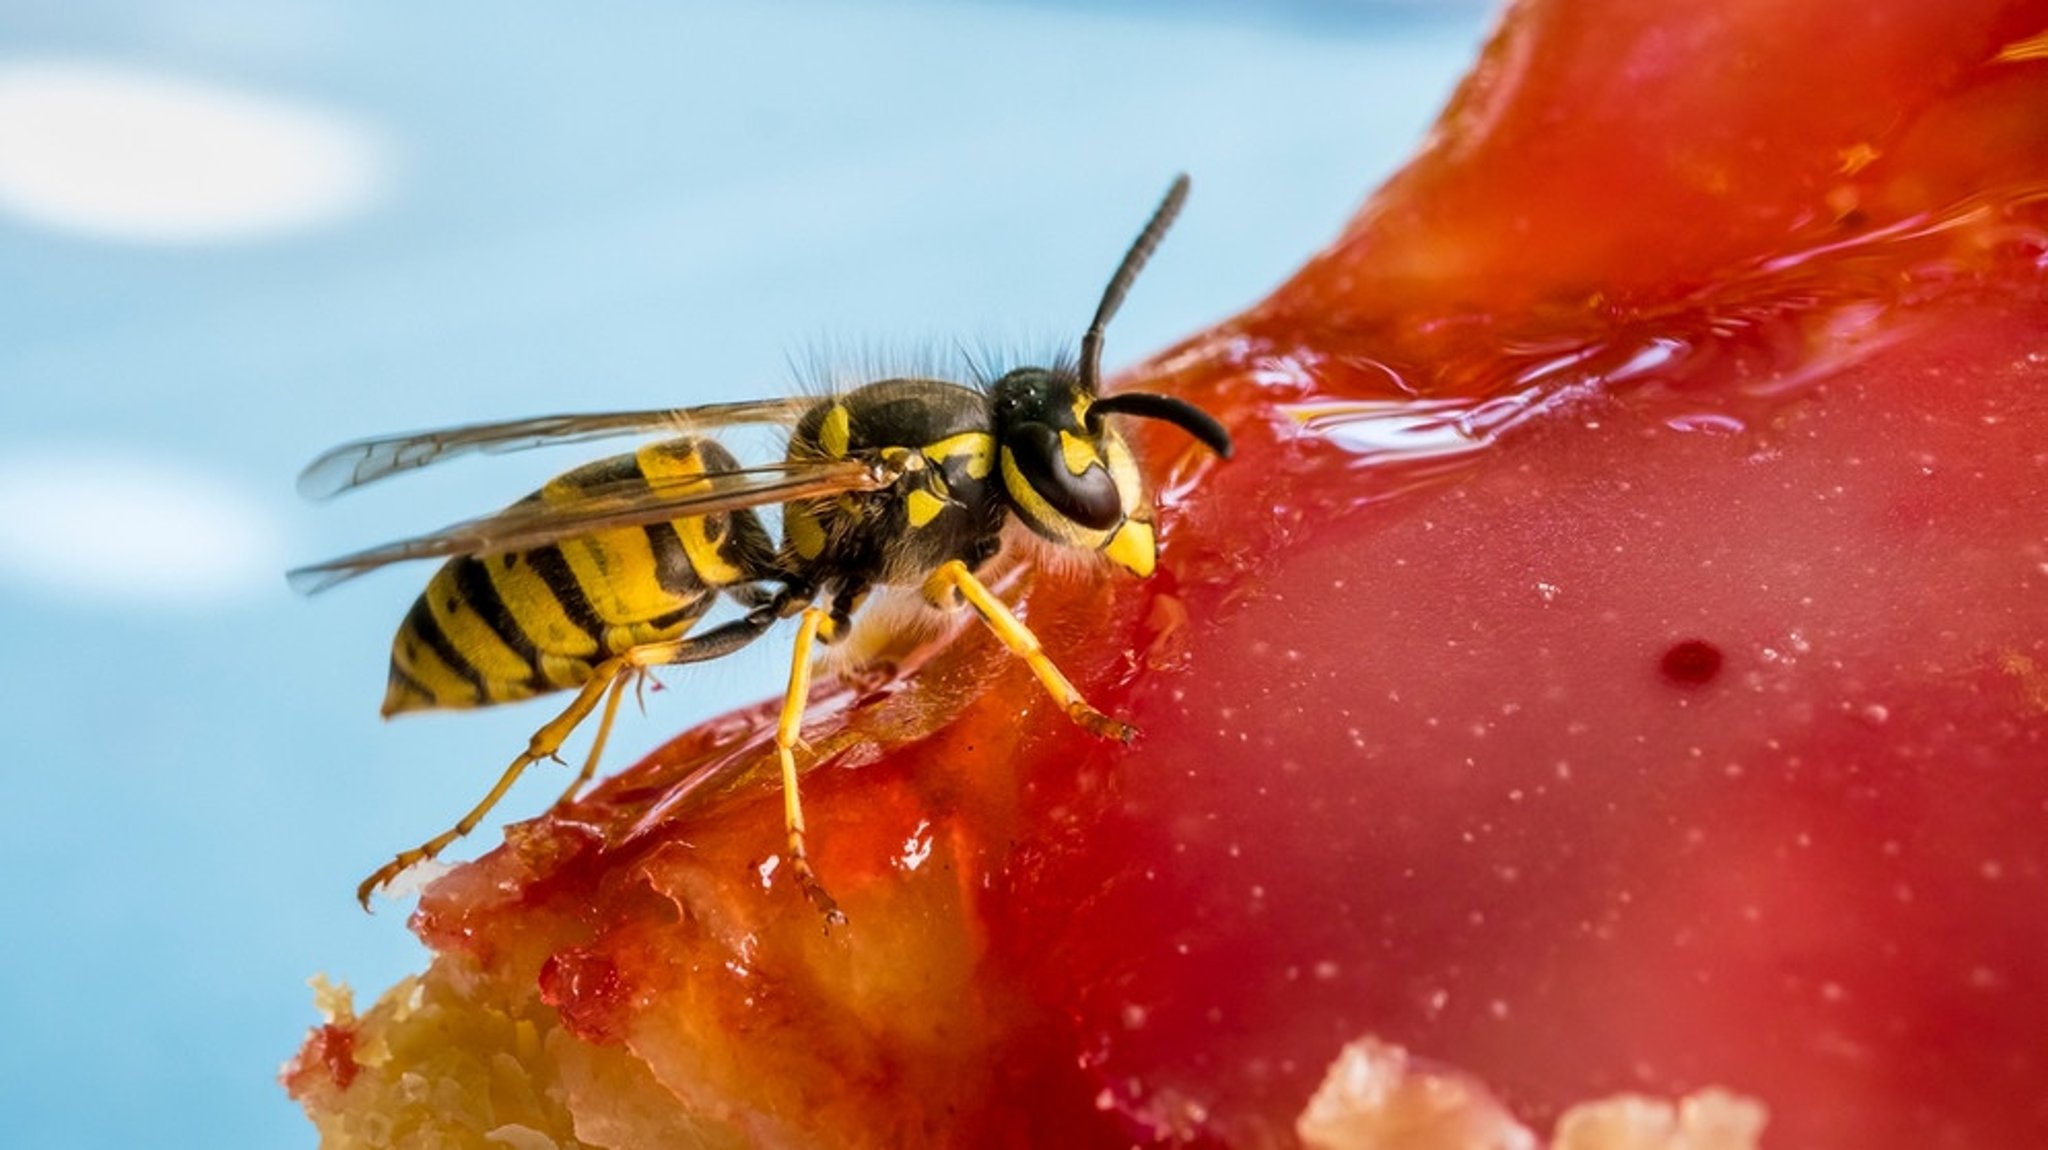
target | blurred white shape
x=123, y=154
x=116, y=530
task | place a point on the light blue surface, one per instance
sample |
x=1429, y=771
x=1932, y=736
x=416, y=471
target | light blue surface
x=588, y=206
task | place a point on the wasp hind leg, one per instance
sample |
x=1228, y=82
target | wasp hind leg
x=953, y=582
x=611, y=676
x=604, y=732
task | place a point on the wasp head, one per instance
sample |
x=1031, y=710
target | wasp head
x=1068, y=474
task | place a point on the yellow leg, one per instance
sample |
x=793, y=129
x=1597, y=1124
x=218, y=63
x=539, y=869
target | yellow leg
x=788, y=734
x=954, y=579
x=544, y=744
x=604, y=734
x=612, y=674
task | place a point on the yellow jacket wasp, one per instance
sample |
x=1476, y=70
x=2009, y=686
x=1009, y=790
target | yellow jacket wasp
x=602, y=573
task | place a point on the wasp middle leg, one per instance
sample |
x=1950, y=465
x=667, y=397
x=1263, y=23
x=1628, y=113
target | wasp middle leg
x=817, y=623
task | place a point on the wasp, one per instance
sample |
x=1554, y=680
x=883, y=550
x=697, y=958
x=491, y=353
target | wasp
x=906, y=484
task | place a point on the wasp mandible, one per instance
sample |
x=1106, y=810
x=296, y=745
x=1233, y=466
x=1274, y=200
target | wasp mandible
x=604, y=572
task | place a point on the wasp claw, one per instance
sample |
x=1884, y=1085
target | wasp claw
x=1097, y=723
x=368, y=888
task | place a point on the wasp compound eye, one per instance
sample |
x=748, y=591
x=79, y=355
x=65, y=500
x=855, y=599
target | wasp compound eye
x=1047, y=460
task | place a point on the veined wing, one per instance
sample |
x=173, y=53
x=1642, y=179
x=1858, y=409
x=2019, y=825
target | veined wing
x=367, y=460
x=636, y=502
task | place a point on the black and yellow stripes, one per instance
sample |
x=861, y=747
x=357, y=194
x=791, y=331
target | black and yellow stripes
x=498, y=628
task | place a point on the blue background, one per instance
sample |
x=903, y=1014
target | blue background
x=583, y=206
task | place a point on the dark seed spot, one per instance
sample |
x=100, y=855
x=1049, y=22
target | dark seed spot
x=511, y=560
x=1691, y=662
x=452, y=604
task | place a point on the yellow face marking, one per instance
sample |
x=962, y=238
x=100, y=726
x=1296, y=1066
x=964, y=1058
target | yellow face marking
x=1078, y=453
x=836, y=432
x=923, y=507
x=1081, y=405
x=1124, y=470
x=1133, y=548
x=978, y=448
x=1040, y=513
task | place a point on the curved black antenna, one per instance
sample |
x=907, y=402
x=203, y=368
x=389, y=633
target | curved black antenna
x=1120, y=283
x=1179, y=412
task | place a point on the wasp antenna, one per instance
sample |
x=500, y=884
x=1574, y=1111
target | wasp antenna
x=1167, y=409
x=1120, y=283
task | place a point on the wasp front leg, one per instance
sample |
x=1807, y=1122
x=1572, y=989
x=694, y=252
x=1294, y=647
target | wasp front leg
x=953, y=583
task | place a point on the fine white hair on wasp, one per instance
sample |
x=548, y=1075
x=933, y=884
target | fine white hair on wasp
x=898, y=627
x=829, y=367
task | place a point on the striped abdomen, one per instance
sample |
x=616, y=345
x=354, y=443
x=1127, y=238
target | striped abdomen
x=498, y=628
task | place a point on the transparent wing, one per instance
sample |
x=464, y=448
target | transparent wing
x=367, y=460
x=633, y=502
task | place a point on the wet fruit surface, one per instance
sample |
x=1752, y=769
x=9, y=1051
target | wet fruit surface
x=1616, y=660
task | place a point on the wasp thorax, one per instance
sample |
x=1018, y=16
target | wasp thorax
x=1069, y=477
